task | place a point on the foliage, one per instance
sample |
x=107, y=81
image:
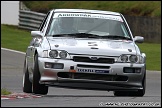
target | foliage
x=134, y=8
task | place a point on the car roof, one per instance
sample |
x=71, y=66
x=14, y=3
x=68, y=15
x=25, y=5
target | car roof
x=86, y=11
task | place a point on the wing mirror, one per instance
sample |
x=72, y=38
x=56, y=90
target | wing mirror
x=36, y=34
x=138, y=39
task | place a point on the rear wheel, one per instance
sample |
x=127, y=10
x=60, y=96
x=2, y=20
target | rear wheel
x=37, y=87
x=27, y=85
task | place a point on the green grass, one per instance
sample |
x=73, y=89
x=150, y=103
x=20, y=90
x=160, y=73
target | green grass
x=153, y=55
x=136, y=8
x=17, y=39
x=5, y=91
x=14, y=38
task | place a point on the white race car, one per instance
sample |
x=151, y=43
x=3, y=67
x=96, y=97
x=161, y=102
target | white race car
x=86, y=49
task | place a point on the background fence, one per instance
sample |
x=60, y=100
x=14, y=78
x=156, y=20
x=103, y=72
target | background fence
x=149, y=28
x=30, y=20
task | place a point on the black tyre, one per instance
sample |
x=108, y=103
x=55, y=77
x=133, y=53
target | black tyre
x=121, y=93
x=37, y=87
x=139, y=93
x=27, y=85
x=142, y=91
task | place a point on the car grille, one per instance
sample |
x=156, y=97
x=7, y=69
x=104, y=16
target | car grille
x=92, y=76
x=88, y=60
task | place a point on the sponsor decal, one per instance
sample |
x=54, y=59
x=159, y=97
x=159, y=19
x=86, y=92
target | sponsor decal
x=102, y=71
x=73, y=15
x=86, y=70
x=111, y=17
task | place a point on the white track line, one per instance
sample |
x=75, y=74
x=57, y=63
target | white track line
x=13, y=50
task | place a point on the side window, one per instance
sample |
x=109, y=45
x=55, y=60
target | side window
x=43, y=24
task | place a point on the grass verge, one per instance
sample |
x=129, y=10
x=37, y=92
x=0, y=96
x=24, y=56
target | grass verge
x=14, y=38
x=153, y=55
x=5, y=91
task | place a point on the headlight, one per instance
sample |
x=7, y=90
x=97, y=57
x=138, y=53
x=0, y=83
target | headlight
x=133, y=58
x=63, y=54
x=56, y=54
x=124, y=58
x=128, y=58
x=53, y=53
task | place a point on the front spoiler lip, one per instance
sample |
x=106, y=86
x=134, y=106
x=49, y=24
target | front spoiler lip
x=96, y=84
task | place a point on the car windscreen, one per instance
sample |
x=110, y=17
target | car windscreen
x=98, y=26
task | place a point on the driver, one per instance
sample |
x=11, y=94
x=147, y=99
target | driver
x=66, y=25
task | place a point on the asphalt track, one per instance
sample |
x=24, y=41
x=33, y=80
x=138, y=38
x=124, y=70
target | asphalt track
x=11, y=79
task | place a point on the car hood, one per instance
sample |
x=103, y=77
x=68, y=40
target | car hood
x=93, y=46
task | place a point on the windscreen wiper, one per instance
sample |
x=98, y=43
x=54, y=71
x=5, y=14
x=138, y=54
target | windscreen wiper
x=85, y=35
x=61, y=35
x=77, y=35
x=116, y=37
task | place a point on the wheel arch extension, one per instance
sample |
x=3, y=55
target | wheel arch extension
x=38, y=51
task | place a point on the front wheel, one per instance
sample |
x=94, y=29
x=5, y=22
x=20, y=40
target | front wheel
x=141, y=92
x=138, y=93
x=27, y=85
x=37, y=87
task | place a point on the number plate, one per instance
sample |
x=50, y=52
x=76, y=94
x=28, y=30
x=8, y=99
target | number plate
x=92, y=71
